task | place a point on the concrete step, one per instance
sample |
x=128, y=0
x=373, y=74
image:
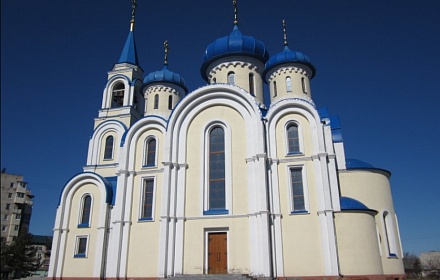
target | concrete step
x=212, y=277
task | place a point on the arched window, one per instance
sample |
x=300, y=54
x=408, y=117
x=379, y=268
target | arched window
x=108, y=150
x=251, y=84
x=217, y=195
x=389, y=234
x=85, y=211
x=156, y=101
x=288, y=84
x=118, y=95
x=231, y=78
x=303, y=85
x=170, y=102
x=150, y=152
x=275, y=90
x=214, y=80
x=293, y=139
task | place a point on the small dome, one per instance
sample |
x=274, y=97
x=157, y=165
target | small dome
x=233, y=45
x=348, y=203
x=289, y=56
x=165, y=75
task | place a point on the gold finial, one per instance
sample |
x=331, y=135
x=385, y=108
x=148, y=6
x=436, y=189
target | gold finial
x=235, y=12
x=165, y=44
x=284, y=33
x=133, y=13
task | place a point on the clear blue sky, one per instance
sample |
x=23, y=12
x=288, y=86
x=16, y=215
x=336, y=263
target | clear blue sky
x=377, y=68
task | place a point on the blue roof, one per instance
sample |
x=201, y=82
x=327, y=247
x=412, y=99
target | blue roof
x=348, y=203
x=289, y=56
x=352, y=163
x=165, y=75
x=233, y=45
x=129, y=53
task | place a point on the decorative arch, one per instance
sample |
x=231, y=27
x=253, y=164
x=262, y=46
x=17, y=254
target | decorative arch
x=199, y=100
x=64, y=210
x=132, y=136
x=112, y=84
x=116, y=128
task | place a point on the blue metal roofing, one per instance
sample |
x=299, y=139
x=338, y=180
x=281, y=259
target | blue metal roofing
x=289, y=56
x=348, y=203
x=352, y=163
x=232, y=45
x=165, y=75
x=129, y=53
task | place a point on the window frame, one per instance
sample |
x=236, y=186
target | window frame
x=228, y=169
x=275, y=89
x=142, y=216
x=303, y=85
x=252, y=84
x=300, y=138
x=82, y=224
x=78, y=253
x=390, y=234
x=303, y=173
x=107, y=148
x=156, y=101
x=119, y=94
x=147, y=152
x=231, y=78
x=289, y=87
x=170, y=102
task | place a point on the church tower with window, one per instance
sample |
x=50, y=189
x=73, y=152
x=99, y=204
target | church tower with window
x=226, y=179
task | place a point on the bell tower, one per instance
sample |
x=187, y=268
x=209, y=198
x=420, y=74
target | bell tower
x=122, y=98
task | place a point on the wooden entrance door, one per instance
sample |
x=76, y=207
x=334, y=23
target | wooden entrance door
x=217, y=253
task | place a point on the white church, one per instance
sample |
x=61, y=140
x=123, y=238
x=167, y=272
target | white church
x=215, y=181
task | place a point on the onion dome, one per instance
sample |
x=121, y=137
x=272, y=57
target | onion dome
x=288, y=56
x=165, y=75
x=235, y=44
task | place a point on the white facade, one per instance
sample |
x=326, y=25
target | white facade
x=215, y=182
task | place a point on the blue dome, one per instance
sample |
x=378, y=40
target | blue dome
x=348, y=203
x=233, y=45
x=165, y=75
x=288, y=56
x=352, y=163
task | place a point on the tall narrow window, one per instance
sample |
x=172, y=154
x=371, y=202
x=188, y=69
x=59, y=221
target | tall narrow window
x=118, y=95
x=231, y=78
x=303, y=84
x=298, y=202
x=275, y=90
x=150, y=152
x=293, y=139
x=147, y=200
x=81, y=247
x=288, y=84
x=170, y=102
x=390, y=235
x=85, y=211
x=156, y=101
x=108, y=150
x=217, y=195
x=251, y=84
